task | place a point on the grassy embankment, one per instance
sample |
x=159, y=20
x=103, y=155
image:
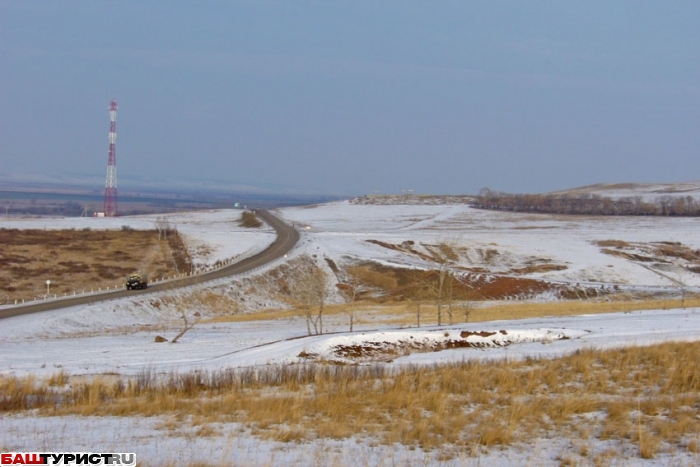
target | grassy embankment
x=645, y=397
x=403, y=314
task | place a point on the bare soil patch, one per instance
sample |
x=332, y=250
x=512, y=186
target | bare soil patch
x=377, y=350
x=386, y=283
x=658, y=255
x=449, y=254
x=535, y=268
x=77, y=260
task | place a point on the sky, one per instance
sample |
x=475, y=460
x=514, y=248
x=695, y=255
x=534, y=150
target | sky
x=354, y=97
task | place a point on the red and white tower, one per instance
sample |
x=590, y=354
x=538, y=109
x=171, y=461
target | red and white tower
x=110, y=208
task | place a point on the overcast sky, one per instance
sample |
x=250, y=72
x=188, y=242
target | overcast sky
x=353, y=97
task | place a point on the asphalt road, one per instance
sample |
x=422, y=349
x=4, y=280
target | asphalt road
x=287, y=237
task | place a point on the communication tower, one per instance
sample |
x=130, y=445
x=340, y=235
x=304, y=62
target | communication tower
x=110, y=208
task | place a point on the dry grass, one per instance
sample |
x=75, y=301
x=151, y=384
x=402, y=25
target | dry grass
x=82, y=259
x=403, y=313
x=613, y=244
x=643, y=396
x=572, y=307
x=662, y=252
x=374, y=280
x=249, y=219
x=265, y=315
x=384, y=283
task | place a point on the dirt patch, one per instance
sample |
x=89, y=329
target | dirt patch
x=331, y=264
x=465, y=334
x=535, y=268
x=629, y=256
x=378, y=350
x=496, y=287
x=386, y=350
x=405, y=247
x=383, y=283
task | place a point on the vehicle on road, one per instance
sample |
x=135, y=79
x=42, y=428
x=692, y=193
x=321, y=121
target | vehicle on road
x=136, y=281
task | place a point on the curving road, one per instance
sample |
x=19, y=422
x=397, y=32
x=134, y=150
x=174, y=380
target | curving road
x=287, y=237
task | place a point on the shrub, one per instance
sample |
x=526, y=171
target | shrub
x=249, y=219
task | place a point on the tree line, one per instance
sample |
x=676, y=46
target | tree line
x=588, y=204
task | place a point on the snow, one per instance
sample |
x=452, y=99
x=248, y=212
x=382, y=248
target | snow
x=235, y=446
x=342, y=229
x=118, y=336
x=45, y=343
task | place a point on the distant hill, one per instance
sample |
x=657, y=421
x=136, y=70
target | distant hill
x=648, y=191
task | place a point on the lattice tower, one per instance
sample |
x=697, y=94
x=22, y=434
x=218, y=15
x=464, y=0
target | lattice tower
x=110, y=207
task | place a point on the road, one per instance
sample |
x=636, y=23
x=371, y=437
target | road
x=287, y=237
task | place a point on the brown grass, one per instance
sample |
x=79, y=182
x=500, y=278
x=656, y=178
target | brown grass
x=613, y=244
x=523, y=310
x=644, y=396
x=82, y=260
x=385, y=283
x=403, y=313
x=249, y=219
x=663, y=252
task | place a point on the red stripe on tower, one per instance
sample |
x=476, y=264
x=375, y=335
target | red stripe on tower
x=110, y=207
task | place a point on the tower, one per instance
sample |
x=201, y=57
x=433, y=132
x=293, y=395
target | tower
x=110, y=207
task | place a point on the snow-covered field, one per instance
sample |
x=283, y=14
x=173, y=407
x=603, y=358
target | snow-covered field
x=341, y=229
x=118, y=336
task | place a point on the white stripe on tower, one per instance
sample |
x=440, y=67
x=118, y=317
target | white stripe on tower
x=110, y=207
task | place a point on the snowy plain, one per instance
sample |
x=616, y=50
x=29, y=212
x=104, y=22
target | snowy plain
x=118, y=336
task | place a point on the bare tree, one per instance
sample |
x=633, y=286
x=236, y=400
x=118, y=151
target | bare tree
x=440, y=284
x=438, y=289
x=431, y=285
x=443, y=288
x=468, y=305
x=320, y=282
x=467, y=294
x=303, y=300
x=588, y=204
x=163, y=227
x=352, y=292
x=416, y=306
x=175, y=306
x=310, y=297
x=188, y=323
x=682, y=286
x=449, y=289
